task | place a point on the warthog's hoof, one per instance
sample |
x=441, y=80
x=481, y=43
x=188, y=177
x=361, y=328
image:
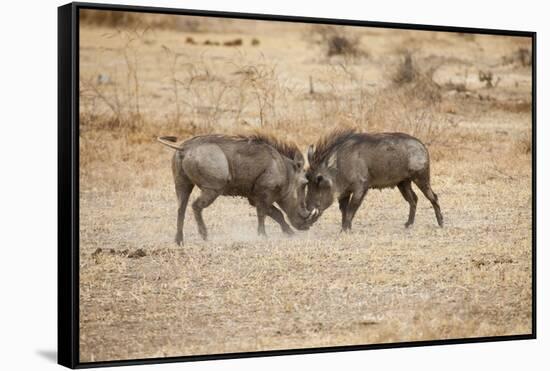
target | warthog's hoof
x=407, y=224
x=288, y=232
x=204, y=234
x=179, y=239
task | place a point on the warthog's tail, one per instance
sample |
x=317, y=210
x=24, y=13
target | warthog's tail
x=170, y=142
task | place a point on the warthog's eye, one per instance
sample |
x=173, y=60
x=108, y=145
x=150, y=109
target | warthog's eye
x=323, y=182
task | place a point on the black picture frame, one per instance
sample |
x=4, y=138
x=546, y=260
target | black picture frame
x=68, y=183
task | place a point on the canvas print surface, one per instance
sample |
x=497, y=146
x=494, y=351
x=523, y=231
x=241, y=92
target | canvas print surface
x=253, y=185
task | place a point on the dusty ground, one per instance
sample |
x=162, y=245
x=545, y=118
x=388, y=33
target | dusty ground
x=141, y=296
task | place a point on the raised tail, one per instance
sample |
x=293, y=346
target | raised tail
x=170, y=142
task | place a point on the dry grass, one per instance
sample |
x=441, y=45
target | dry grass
x=142, y=296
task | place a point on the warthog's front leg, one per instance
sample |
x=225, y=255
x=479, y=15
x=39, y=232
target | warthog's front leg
x=261, y=210
x=409, y=196
x=354, y=203
x=343, y=203
x=278, y=216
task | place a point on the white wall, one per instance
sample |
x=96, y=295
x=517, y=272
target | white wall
x=28, y=182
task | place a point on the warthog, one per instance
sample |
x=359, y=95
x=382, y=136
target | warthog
x=258, y=167
x=347, y=163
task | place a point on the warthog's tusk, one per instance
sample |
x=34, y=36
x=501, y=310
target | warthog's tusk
x=313, y=213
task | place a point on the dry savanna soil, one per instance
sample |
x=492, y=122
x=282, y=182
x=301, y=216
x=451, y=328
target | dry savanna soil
x=468, y=97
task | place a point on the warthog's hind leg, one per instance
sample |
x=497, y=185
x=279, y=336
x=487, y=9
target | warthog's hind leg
x=183, y=191
x=274, y=214
x=423, y=183
x=206, y=198
x=409, y=196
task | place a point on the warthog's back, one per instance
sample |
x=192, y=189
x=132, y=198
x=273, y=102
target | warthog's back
x=230, y=165
x=387, y=158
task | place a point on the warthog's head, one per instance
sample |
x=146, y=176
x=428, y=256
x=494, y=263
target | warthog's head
x=294, y=201
x=321, y=184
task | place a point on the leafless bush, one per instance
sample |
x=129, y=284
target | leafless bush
x=340, y=95
x=524, y=144
x=173, y=63
x=466, y=36
x=335, y=41
x=405, y=72
x=205, y=92
x=515, y=106
x=118, y=102
x=525, y=57
x=259, y=91
x=522, y=57
x=399, y=109
x=130, y=20
x=416, y=79
x=487, y=78
x=341, y=45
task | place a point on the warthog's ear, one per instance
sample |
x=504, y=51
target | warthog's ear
x=324, y=181
x=310, y=152
x=298, y=161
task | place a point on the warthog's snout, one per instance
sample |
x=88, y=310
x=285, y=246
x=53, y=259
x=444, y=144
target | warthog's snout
x=308, y=218
x=308, y=214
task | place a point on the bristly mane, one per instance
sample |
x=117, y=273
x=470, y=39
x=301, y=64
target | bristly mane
x=287, y=149
x=331, y=141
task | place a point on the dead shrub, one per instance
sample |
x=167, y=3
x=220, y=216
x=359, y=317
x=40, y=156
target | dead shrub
x=341, y=95
x=515, y=106
x=405, y=72
x=335, y=41
x=113, y=98
x=522, y=57
x=236, y=42
x=488, y=78
x=524, y=145
x=407, y=75
x=466, y=36
x=525, y=57
x=128, y=20
x=341, y=45
x=403, y=109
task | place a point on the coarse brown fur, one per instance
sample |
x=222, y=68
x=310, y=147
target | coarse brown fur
x=347, y=163
x=258, y=167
